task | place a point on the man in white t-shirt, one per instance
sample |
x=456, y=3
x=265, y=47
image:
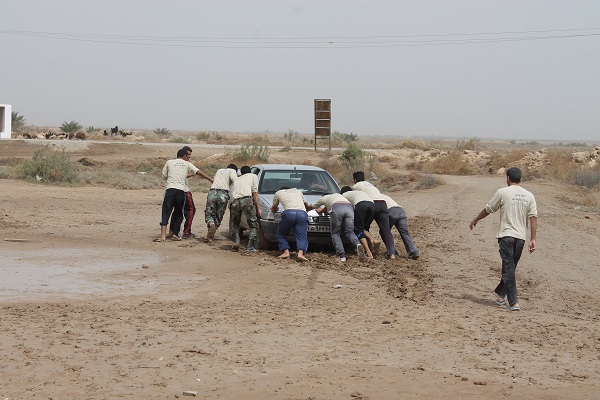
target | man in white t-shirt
x=380, y=213
x=342, y=220
x=399, y=220
x=218, y=199
x=517, y=207
x=245, y=202
x=294, y=216
x=175, y=172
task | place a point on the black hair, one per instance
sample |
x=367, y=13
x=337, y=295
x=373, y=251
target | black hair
x=358, y=176
x=233, y=167
x=514, y=174
x=346, y=189
x=187, y=148
x=245, y=170
x=181, y=153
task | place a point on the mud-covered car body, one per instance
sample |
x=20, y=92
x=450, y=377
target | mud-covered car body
x=313, y=182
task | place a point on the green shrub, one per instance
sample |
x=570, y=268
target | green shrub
x=346, y=138
x=50, y=165
x=162, y=131
x=70, y=127
x=352, y=159
x=91, y=129
x=17, y=121
x=247, y=153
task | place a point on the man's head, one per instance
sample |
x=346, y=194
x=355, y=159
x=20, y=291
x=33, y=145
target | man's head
x=245, y=170
x=358, y=176
x=346, y=189
x=514, y=175
x=233, y=167
x=181, y=153
x=188, y=151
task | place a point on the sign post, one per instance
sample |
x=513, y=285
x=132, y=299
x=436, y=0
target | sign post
x=322, y=121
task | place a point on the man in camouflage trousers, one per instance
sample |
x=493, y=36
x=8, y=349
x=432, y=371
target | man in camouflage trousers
x=245, y=202
x=218, y=198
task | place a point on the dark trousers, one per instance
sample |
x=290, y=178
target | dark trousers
x=189, y=210
x=172, y=207
x=510, y=252
x=399, y=220
x=382, y=218
x=363, y=213
x=297, y=219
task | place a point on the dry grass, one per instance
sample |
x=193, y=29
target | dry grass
x=501, y=159
x=559, y=165
x=428, y=181
x=450, y=164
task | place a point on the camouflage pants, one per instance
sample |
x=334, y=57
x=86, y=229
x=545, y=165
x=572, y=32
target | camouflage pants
x=216, y=204
x=244, y=206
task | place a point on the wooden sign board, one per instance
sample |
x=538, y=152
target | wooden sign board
x=322, y=120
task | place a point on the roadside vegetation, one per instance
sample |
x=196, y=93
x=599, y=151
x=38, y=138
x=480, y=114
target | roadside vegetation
x=391, y=163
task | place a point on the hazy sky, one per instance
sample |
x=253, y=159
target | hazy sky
x=512, y=69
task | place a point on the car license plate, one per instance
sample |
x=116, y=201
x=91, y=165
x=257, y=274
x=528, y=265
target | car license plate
x=319, y=228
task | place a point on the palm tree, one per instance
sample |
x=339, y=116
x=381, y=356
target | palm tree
x=70, y=127
x=18, y=121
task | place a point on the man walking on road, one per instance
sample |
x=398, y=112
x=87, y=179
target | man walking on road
x=517, y=207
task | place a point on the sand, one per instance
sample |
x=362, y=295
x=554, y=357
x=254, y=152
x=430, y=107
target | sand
x=92, y=308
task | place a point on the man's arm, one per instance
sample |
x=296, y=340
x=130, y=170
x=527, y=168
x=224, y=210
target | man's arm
x=202, y=174
x=275, y=205
x=533, y=225
x=255, y=198
x=484, y=213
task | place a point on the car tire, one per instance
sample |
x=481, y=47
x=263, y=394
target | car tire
x=261, y=241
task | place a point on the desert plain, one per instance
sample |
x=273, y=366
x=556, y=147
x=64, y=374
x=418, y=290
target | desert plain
x=92, y=308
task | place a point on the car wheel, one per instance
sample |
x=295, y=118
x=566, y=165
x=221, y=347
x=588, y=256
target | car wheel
x=261, y=241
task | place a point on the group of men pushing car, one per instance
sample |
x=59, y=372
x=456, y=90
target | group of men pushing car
x=351, y=212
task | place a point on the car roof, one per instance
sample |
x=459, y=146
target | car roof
x=287, y=167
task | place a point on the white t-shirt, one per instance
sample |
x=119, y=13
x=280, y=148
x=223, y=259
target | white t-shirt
x=516, y=206
x=290, y=199
x=244, y=186
x=369, y=189
x=176, y=171
x=356, y=196
x=224, y=178
x=329, y=200
x=389, y=201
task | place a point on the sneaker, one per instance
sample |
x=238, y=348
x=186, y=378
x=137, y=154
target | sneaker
x=514, y=308
x=189, y=236
x=343, y=259
x=414, y=256
x=500, y=302
x=176, y=238
x=360, y=252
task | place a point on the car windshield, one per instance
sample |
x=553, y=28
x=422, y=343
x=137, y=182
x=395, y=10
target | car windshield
x=318, y=182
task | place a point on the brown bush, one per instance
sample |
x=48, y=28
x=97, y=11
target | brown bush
x=502, y=159
x=450, y=164
x=559, y=165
